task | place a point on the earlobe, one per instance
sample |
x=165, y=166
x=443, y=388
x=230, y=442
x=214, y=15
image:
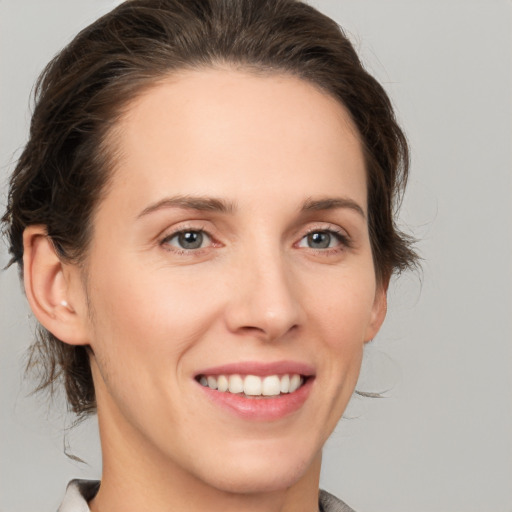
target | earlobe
x=47, y=286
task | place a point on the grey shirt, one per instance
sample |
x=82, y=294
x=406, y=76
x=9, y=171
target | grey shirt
x=79, y=492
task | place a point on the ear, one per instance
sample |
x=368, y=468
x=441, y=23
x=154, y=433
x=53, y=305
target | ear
x=378, y=313
x=53, y=288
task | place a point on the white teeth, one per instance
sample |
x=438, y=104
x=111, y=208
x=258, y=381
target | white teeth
x=285, y=384
x=294, y=382
x=271, y=386
x=252, y=385
x=222, y=383
x=236, y=384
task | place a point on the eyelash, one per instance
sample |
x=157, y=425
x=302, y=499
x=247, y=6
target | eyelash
x=343, y=239
x=341, y=236
x=182, y=251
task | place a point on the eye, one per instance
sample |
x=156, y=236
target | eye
x=322, y=240
x=188, y=240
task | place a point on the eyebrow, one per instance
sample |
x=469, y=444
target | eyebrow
x=332, y=203
x=210, y=204
x=213, y=204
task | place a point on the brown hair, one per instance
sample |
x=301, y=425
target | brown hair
x=64, y=168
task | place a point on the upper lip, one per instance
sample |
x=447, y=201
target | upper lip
x=261, y=369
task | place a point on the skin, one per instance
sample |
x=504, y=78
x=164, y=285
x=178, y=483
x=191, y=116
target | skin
x=155, y=314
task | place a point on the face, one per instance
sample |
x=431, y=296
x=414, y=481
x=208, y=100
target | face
x=230, y=263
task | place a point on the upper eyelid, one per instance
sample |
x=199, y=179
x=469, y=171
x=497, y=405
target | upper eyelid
x=164, y=243
x=169, y=233
x=328, y=227
x=341, y=234
x=338, y=233
x=189, y=230
x=183, y=227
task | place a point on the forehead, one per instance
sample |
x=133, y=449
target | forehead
x=221, y=131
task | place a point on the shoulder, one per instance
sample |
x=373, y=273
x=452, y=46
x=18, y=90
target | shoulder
x=329, y=503
x=78, y=493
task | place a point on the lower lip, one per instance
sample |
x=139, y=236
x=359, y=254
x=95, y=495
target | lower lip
x=264, y=408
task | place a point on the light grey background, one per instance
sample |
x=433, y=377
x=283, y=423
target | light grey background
x=441, y=440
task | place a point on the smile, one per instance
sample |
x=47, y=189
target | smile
x=253, y=385
x=258, y=391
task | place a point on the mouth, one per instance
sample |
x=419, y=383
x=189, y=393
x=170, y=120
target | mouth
x=258, y=391
x=254, y=386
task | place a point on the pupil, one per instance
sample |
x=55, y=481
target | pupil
x=319, y=240
x=191, y=240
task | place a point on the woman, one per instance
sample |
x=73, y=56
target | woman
x=203, y=217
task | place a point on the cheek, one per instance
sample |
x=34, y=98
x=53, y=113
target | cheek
x=342, y=313
x=149, y=315
x=143, y=329
x=344, y=310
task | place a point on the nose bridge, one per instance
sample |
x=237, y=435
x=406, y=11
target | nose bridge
x=265, y=302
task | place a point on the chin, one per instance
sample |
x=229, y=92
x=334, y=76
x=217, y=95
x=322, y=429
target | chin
x=254, y=483
x=243, y=475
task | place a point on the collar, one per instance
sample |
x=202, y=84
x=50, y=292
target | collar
x=80, y=492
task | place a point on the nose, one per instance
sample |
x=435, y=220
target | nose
x=264, y=298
